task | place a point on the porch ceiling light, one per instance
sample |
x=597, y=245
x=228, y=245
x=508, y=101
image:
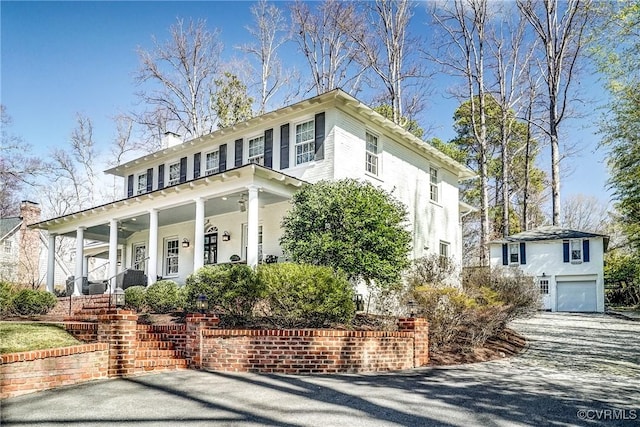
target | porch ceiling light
x=185, y=243
x=202, y=304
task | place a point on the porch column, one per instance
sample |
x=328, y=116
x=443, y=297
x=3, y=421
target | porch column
x=152, y=269
x=113, y=254
x=77, y=283
x=198, y=250
x=252, y=226
x=51, y=263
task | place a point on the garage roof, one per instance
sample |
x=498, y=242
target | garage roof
x=551, y=233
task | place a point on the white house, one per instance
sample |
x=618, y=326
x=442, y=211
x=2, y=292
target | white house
x=221, y=197
x=567, y=264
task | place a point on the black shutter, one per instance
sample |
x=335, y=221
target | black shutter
x=130, y=186
x=523, y=253
x=183, y=169
x=585, y=250
x=222, y=158
x=565, y=250
x=319, y=125
x=505, y=254
x=196, y=165
x=238, y=157
x=284, y=146
x=149, y=180
x=160, y=176
x=268, y=148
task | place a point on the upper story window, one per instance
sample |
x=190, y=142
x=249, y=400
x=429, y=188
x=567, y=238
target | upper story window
x=7, y=247
x=256, y=150
x=305, y=142
x=433, y=185
x=142, y=183
x=514, y=253
x=174, y=173
x=371, y=161
x=212, y=163
x=576, y=251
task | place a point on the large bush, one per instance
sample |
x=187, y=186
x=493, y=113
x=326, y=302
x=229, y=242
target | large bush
x=134, y=297
x=231, y=289
x=6, y=298
x=29, y=302
x=163, y=297
x=302, y=295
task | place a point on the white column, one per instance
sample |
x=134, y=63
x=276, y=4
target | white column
x=113, y=254
x=77, y=285
x=152, y=269
x=51, y=263
x=198, y=248
x=252, y=226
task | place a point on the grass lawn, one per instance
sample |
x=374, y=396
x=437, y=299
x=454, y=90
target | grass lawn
x=20, y=336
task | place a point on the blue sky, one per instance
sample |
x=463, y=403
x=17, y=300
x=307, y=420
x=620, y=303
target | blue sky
x=60, y=58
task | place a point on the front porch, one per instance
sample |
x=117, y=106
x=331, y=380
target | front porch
x=232, y=216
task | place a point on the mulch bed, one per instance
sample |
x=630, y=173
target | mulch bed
x=507, y=343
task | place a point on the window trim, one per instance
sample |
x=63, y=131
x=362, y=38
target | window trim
x=167, y=258
x=579, y=243
x=510, y=253
x=543, y=285
x=308, y=145
x=374, y=155
x=211, y=171
x=434, y=185
x=8, y=247
x=134, y=264
x=177, y=180
x=141, y=189
x=260, y=157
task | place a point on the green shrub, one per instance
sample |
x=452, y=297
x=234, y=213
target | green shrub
x=6, y=298
x=28, y=302
x=302, y=295
x=134, y=297
x=163, y=297
x=231, y=289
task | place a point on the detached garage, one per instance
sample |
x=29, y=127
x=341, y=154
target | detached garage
x=567, y=265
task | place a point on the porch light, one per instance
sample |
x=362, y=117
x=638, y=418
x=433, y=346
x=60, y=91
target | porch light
x=118, y=295
x=202, y=304
x=185, y=243
x=412, y=306
x=226, y=236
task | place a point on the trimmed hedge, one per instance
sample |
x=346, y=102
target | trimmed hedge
x=134, y=297
x=164, y=297
x=28, y=302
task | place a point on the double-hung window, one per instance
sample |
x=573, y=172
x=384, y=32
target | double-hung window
x=174, y=173
x=305, y=142
x=142, y=183
x=256, y=150
x=371, y=160
x=514, y=253
x=212, y=163
x=576, y=251
x=444, y=253
x=433, y=184
x=171, y=256
x=8, y=249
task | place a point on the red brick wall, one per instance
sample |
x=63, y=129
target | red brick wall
x=22, y=373
x=315, y=350
x=87, y=332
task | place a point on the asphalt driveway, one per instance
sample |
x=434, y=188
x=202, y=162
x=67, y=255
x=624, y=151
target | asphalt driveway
x=577, y=370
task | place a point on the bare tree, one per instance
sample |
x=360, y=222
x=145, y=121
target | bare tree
x=18, y=168
x=463, y=53
x=270, y=33
x=325, y=39
x=585, y=213
x=386, y=52
x=561, y=28
x=181, y=72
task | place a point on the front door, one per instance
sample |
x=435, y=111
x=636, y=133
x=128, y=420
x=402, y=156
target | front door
x=139, y=257
x=543, y=282
x=211, y=248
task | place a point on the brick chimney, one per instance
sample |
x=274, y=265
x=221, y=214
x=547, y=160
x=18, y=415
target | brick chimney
x=30, y=247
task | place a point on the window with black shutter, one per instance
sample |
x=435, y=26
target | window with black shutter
x=268, y=148
x=238, y=152
x=196, y=165
x=284, y=146
x=319, y=142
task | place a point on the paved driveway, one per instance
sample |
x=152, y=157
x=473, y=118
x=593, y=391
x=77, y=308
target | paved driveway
x=578, y=370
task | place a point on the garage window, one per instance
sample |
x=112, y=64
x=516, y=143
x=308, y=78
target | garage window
x=576, y=251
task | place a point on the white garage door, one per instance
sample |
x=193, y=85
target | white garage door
x=577, y=296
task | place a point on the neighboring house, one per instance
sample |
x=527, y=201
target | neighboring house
x=23, y=251
x=221, y=197
x=567, y=265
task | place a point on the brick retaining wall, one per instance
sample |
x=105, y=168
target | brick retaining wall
x=32, y=371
